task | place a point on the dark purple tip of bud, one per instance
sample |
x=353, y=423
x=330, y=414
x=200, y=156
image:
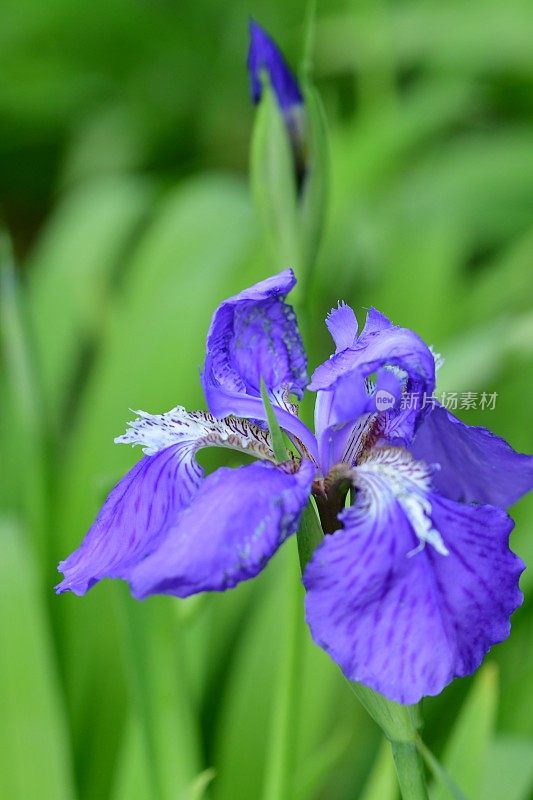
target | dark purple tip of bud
x=264, y=54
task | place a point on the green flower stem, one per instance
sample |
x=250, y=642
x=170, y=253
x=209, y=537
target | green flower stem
x=281, y=754
x=410, y=771
x=28, y=424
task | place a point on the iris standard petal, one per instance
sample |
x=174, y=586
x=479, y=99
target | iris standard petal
x=403, y=618
x=338, y=412
x=255, y=335
x=375, y=322
x=353, y=412
x=342, y=324
x=235, y=524
x=149, y=498
x=379, y=344
x=264, y=54
x=475, y=465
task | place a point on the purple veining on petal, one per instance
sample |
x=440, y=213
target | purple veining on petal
x=255, y=334
x=340, y=410
x=401, y=361
x=475, y=465
x=407, y=620
x=235, y=524
x=149, y=498
x=137, y=511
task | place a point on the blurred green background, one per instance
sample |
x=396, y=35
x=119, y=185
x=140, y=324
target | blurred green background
x=124, y=141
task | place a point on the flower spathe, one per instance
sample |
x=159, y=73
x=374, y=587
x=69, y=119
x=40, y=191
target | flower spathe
x=414, y=581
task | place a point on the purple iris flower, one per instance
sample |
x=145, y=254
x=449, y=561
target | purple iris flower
x=414, y=580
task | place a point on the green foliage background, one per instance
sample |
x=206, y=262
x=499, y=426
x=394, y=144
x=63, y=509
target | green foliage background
x=123, y=161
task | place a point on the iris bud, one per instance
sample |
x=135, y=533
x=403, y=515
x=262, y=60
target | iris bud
x=289, y=155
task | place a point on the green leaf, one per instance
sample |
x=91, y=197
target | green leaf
x=244, y=703
x=34, y=747
x=72, y=271
x=23, y=427
x=382, y=783
x=282, y=741
x=159, y=690
x=509, y=772
x=199, y=786
x=466, y=754
x=278, y=445
x=317, y=768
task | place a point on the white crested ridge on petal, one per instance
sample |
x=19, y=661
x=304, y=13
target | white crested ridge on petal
x=392, y=473
x=155, y=432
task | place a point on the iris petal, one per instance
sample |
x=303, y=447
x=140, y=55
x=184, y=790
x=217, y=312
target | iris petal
x=475, y=465
x=379, y=344
x=255, y=335
x=342, y=324
x=406, y=619
x=149, y=498
x=130, y=523
x=346, y=413
x=264, y=54
x=338, y=413
x=234, y=525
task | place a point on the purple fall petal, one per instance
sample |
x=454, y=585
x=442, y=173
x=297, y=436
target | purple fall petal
x=475, y=465
x=137, y=511
x=405, y=619
x=149, y=498
x=235, y=524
